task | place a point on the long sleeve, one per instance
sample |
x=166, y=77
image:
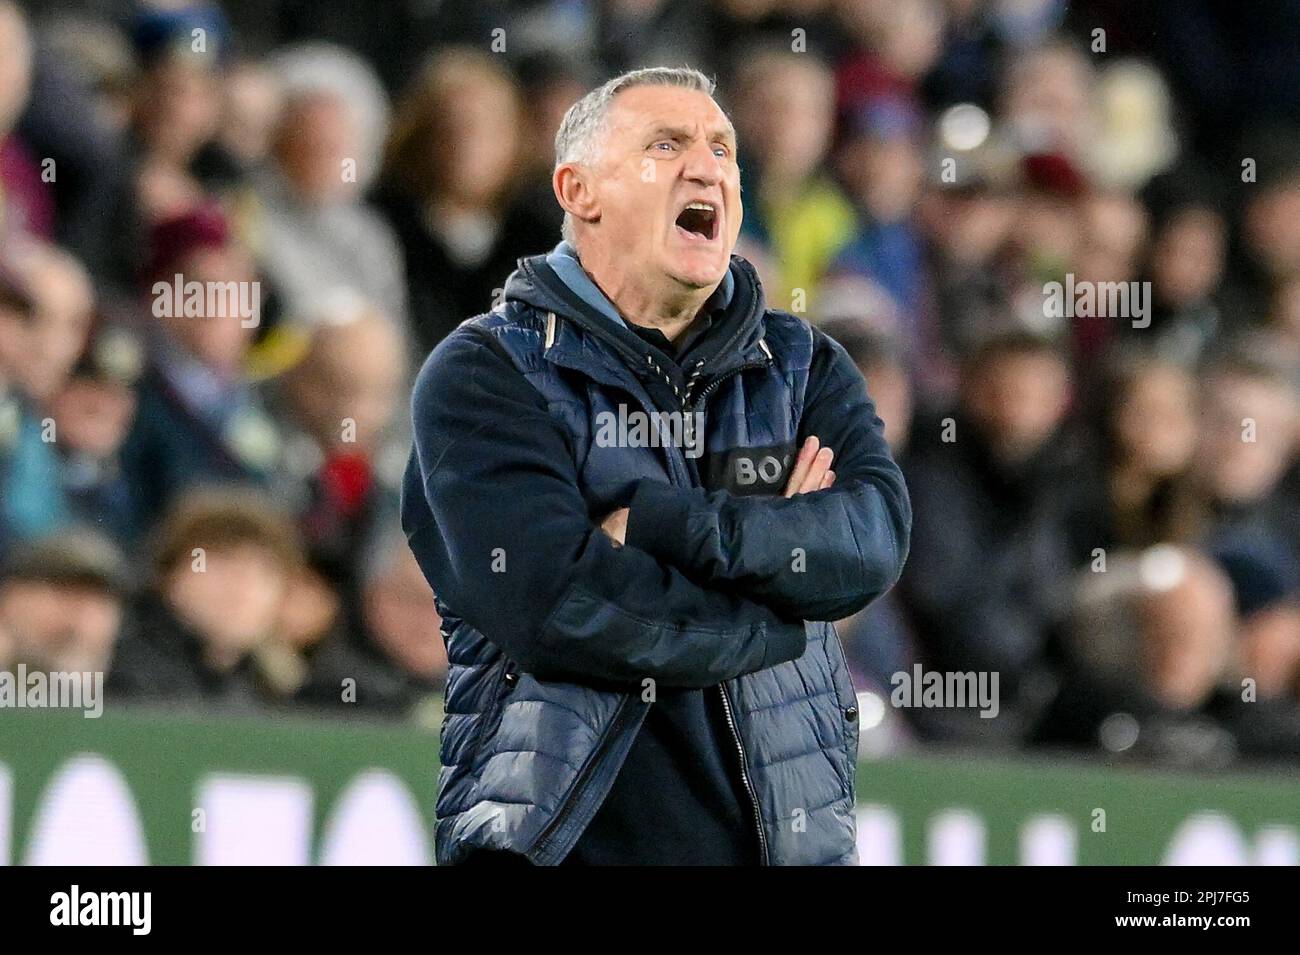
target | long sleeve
x=818, y=556
x=495, y=516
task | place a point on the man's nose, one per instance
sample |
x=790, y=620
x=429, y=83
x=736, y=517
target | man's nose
x=702, y=165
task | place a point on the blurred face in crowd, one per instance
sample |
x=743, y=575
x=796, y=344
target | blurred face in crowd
x=1155, y=420
x=476, y=142
x=1188, y=259
x=1269, y=643
x=1232, y=466
x=178, y=106
x=15, y=65
x=1017, y=399
x=787, y=115
x=58, y=626
x=969, y=228
x=93, y=415
x=317, y=134
x=660, y=150
x=905, y=34
x=1115, y=229
x=1049, y=99
x=352, y=371
x=1186, y=634
x=233, y=603
x=883, y=174
x=402, y=618
x=40, y=348
x=219, y=341
x=252, y=108
x=1272, y=230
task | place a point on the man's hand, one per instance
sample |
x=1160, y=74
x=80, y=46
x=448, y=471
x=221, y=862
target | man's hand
x=615, y=525
x=812, y=469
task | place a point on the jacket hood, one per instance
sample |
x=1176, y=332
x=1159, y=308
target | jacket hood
x=734, y=334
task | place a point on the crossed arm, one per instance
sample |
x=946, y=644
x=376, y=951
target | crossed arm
x=830, y=545
x=703, y=588
x=812, y=472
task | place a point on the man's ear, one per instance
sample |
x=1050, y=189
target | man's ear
x=573, y=191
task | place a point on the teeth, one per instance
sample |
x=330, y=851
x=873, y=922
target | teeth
x=706, y=207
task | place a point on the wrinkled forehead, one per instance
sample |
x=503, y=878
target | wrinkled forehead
x=645, y=110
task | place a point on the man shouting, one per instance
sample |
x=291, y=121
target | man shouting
x=640, y=496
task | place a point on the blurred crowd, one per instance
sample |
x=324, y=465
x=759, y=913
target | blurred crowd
x=229, y=234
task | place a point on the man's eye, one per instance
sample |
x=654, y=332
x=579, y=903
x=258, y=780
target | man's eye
x=722, y=152
x=664, y=143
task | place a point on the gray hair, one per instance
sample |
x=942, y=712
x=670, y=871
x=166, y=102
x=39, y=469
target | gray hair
x=576, y=139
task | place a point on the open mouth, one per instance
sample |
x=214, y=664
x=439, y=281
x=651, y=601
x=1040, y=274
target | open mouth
x=699, y=221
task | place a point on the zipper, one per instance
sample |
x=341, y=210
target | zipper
x=688, y=408
x=713, y=384
x=744, y=773
x=574, y=797
x=584, y=780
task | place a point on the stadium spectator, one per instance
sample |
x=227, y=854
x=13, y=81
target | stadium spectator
x=1248, y=445
x=26, y=202
x=549, y=86
x=381, y=664
x=999, y=517
x=176, y=111
x=785, y=117
x=317, y=236
x=1186, y=268
x=1150, y=649
x=198, y=417
x=32, y=502
x=1112, y=245
x=898, y=44
x=338, y=409
x=43, y=348
x=450, y=190
x=223, y=561
x=1150, y=429
x=1270, y=227
x=62, y=601
x=94, y=412
x=77, y=121
x=1048, y=101
x=881, y=164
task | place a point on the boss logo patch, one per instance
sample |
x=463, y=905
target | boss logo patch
x=750, y=470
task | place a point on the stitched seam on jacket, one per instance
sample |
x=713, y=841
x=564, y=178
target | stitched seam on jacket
x=792, y=757
x=800, y=699
x=558, y=706
x=531, y=752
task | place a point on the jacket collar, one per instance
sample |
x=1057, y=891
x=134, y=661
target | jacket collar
x=586, y=333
